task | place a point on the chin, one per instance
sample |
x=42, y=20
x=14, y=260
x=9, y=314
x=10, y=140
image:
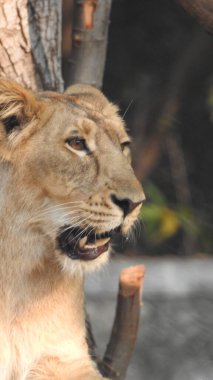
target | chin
x=79, y=267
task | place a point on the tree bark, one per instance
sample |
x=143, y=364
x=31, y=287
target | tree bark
x=67, y=35
x=87, y=61
x=30, y=43
x=202, y=10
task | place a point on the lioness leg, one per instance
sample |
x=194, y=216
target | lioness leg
x=54, y=369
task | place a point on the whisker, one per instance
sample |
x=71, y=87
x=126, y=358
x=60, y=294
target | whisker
x=128, y=107
x=44, y=208
x=64, y=220
x=73, y=211
x=90, y=230
x=82, y=231
x=50, y=210
x=60, y=204
x=136, y=230
x=78, y=237
x=71, y=227
x=76, y=220
x=87, y=227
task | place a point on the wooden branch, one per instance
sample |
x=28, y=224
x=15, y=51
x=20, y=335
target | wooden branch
x=202, y=10
x=89, y=8
x=87, y=61
x=125, y=327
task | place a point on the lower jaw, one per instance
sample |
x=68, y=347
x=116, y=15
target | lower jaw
x=80, y=267
x=89, y=254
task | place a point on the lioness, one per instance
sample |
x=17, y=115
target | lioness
x=66, y=186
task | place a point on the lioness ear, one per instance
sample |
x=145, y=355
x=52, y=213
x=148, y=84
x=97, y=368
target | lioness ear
x=86, y=94
x=17, y=106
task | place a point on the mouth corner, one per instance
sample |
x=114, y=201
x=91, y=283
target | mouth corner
x=84, y=244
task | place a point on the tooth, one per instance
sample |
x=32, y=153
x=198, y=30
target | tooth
x=98, y=243
x=83, y=241
x=102, y=241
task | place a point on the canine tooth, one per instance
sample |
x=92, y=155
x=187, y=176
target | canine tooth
x=102, y=241
x=83, y=241
x=98, y=243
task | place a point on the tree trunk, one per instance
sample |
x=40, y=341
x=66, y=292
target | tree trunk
x=202, y=10
x=87, y=61
x=30, y=43
x=67, y=35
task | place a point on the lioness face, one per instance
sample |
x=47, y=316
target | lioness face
x=72, y=151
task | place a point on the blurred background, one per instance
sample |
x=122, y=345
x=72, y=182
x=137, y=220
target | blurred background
x=159, y=70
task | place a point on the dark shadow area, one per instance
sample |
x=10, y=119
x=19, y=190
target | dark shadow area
x=159, y=70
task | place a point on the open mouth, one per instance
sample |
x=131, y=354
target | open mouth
x=84, y=245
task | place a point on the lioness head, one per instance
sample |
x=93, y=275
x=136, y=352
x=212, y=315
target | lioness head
x=70, y=156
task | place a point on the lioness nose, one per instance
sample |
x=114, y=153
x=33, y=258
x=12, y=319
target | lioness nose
x=126, y=204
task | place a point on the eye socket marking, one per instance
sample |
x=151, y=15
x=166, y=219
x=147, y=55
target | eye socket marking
x=77, y=143
x=125, y=144
x=125, y=147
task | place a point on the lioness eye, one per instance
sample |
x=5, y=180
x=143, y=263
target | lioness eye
x=77, y=143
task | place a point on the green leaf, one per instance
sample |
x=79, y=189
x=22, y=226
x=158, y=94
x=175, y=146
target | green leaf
x=155, y=194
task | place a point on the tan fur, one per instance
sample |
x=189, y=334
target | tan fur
x=44, y=186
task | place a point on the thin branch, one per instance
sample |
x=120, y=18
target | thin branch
x=202, y=10
x=125, y=328
x=89, y=8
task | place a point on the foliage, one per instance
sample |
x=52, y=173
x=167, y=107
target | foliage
x=162, y=220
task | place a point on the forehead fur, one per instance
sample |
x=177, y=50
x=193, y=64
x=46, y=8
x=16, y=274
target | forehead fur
x=97, y=106
x=33, y=110
x=91, y=104
x=86, y=97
